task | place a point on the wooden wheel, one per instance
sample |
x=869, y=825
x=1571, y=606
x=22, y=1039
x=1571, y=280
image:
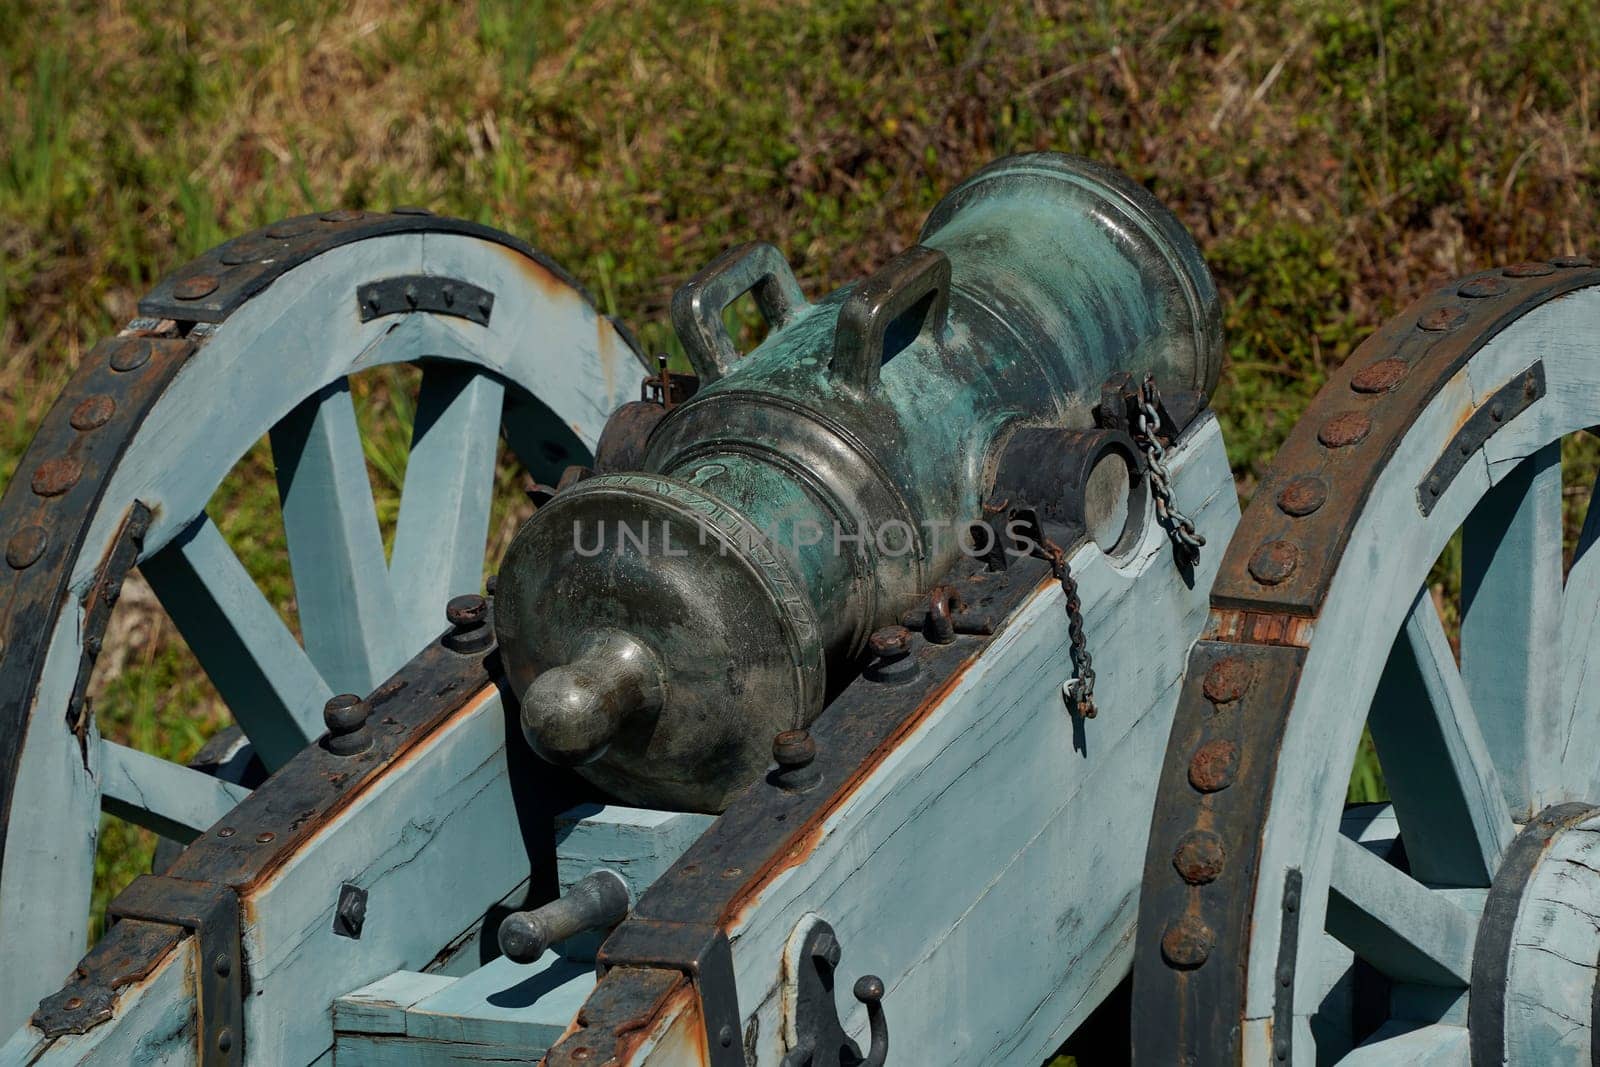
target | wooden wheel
x=259, y=338
x=1456, y=924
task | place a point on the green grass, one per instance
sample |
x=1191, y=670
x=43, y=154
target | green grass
x=1331, y=158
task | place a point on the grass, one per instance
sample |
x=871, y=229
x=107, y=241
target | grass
x=1331, y=158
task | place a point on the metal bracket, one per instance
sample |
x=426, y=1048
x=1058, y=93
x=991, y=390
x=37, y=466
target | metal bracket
x=211, y=913
x=1288, y=953
x=424, y=292
x=97, y=604
x=1503, y=405
x=700, y=951
x=818, y=1039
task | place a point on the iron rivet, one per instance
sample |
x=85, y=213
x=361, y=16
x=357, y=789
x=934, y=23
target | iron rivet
x=1285, y=977
x=226, y=831
x=341, y=215
x=265, y=837
x=581, y=1052
x=449, y=294
x=1303, y=495
x=1280, y=1048
x=411, y=295
x=26, y=546
x=1199, y=857
x=1214, y=766
x=1497, y=412
x=74, y=1003
x=725, y=1035
x=1379, y=377
x=1186, y=943
x=732, y=872
x=1345, y=429
x=289, y=228
x=222, y=964
x=224, y=1040
x=130, y=354
x=93, y=412
x=1445, y=318
x=1291, y=902
x=245, y=251
x=409, y=209
x=1274, y=562
x=890, y=641
x=55, y=476
x=1480, y=288
x=1528, y=270
x=92, y=646
x=195, y=286
x=1226, y=680
x=1569, y=262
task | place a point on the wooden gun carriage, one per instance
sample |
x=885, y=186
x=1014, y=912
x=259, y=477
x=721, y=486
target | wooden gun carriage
x=1076, y=767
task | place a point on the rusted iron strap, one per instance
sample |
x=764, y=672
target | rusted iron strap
x=261, y=834
x=306, y=793
x=210, y=288
x=768, y=830
x=1288, y=544
x=47, y=510
x=211, y=913
x=98, y=601
x=1203, y=859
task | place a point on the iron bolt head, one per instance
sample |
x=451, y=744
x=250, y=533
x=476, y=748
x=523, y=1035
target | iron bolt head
x=265, y=837
x=345, y=713
x=26, y=546
x=1186, y=943
x=1214, y=766
x=468, y=610
x=1302, y=496
x=130, y=354
x=1344, y=430
x=55, y=476
x=1480, y=288
x=794, y=748
x=224, y=1040
x=223, y=965
x=1274, y=562
x=1199, y=857
x=195, y=286
x=1528, y=270
x=93, y=412
x=1379, y=377
x=890, y=641
x=226, y=831
x=341, y=215
x=1570, y=262
x=1444, y=318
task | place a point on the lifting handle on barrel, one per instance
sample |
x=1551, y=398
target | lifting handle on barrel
x=910, y=292
x=697, y=308
x=598, y=902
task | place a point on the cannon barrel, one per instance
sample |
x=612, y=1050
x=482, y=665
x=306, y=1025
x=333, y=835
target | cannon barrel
x=662, y=624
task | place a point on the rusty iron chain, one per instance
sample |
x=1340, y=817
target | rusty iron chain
x=1080, y=688
x=1180, y=528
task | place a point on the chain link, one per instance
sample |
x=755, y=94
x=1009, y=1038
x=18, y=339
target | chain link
x=1180, y=528
x=1081, y=688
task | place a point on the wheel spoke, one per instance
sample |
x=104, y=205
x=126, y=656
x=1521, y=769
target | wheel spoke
x=1396, y=923
x=1511, y=612
x=176, y=802
x=1443, y=783
x=264, y=676
x=341, y=581
x=444, y=509
x=1580, y=675
x=1408, y=1045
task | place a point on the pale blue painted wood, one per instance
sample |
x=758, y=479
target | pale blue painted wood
x=341, y=578
x=507, y=1004
x=175, y=801
x=50, y=842
x=1580, y=672
x=1510, y=626
x=444, y=507
x=380, y=1007
x=1411, y=1045
x=1437, y=768
x=1555, y=946
x=435, y=843
x=638, y=844
x=1396, y=923
x=267, y=680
